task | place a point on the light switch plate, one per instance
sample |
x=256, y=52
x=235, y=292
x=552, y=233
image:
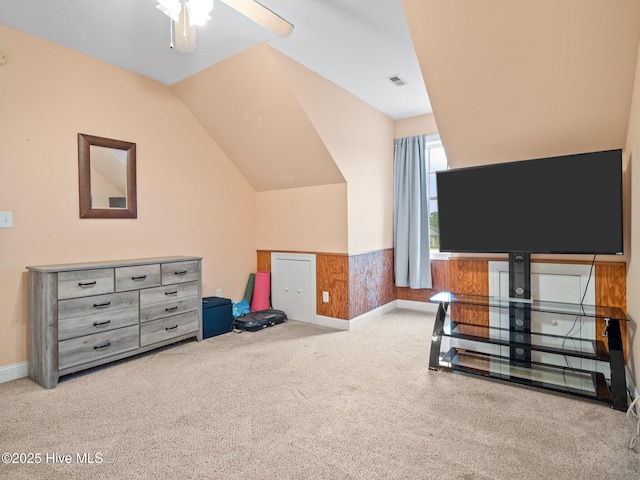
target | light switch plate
x=6, y=219
x=325, y=297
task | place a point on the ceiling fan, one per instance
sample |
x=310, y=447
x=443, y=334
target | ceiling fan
x=185, y=15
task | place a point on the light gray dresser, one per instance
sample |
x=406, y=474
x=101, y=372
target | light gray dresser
x=88, y=314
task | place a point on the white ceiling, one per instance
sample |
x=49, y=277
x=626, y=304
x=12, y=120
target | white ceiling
x=353, y=43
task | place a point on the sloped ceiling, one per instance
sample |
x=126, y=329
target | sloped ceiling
x=247, y=105
x=512, y=80
x=353, y=43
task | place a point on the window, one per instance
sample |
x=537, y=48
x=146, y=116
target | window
x=436, y=160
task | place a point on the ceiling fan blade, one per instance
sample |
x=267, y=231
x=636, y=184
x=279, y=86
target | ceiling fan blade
x=262, y=16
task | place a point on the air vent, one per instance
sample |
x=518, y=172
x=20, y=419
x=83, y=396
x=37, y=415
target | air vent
x=396, y=80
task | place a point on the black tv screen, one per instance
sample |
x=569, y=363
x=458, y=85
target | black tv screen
x=567, y=204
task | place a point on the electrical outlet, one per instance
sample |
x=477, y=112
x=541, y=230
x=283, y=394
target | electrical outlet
x=219, y=292
x=325, y=297
x=6, y=219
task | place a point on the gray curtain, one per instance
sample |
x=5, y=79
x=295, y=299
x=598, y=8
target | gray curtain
x=411, y=214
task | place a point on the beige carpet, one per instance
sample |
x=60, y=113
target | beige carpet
x=298, y=401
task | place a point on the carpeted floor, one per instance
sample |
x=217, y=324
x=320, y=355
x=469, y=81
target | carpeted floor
x=298, y=401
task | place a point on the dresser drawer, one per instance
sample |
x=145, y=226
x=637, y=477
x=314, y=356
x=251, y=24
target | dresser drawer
x=168, y=292
x=100, y=322
x=92, y=347
x=84, y=283
x=164, y=309
x=138, y=276
x=80, y=307
x=167, y=328
x=180, y=272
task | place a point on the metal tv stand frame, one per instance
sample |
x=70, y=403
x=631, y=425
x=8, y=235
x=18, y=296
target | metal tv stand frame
x=517, y=353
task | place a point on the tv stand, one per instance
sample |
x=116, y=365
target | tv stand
x=522, y=353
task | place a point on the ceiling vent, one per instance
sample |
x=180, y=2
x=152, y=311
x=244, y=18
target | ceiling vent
x=396, y=80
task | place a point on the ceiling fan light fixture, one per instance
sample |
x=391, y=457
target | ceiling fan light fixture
x=185, y=15
x=198, y=10
x=183, y=37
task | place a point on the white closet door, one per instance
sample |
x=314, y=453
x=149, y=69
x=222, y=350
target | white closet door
x=293, y=290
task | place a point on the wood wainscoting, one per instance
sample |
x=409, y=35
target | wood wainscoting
x=459, y=275
x=332, y=275
x=471, y=276
x=356, y=284
x=360, y=283
x=371, y=281
x=611, y=290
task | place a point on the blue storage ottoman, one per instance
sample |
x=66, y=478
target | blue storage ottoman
x=217, y=317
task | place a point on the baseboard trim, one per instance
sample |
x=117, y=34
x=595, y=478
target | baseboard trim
x=13, y=372
x=332, y=322
x=361, y=320
x=421, y=306
x=356, y=322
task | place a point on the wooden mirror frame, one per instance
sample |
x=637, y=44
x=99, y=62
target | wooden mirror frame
x=84, y=177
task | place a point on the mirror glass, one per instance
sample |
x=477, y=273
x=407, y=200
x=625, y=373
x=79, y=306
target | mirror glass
x=107, y=177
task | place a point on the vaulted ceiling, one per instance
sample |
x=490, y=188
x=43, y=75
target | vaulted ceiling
x=356, y=44
x=513, y=80
x=506, y=80
x=248, y=105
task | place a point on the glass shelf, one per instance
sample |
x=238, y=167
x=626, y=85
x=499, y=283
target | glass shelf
x=522, y=341
x=580, y=310
x=561, y=345
x=566, y=380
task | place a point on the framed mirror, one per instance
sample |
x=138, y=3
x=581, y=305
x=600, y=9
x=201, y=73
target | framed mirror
x=107, y=177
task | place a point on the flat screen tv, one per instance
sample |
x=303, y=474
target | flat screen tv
x=567, y=204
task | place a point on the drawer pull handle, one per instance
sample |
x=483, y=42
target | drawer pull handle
x=180, y=273
x=100, y=324
x=175, y=292
x=171, y=309
x=103, y=346
x=171, y=328
x=137, y=279
x=101, y=305
x=87, y=284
